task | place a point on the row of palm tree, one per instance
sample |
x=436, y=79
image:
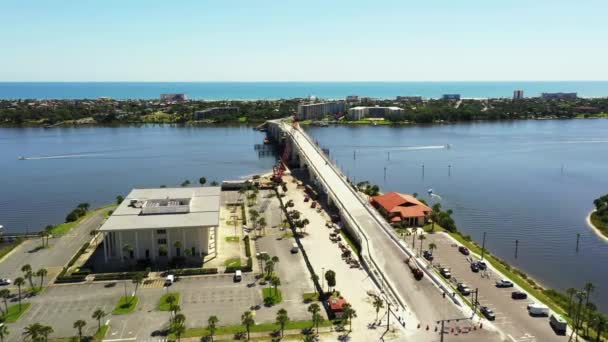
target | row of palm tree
x=28, y=273
x=584, y=313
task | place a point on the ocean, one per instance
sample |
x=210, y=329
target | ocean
x=288, y=90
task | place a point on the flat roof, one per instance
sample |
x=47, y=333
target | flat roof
x=203, y=209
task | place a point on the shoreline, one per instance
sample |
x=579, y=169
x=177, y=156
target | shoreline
x=594, y=228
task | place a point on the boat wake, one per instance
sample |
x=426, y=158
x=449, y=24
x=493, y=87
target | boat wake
x=429, y=147
x=65, y=156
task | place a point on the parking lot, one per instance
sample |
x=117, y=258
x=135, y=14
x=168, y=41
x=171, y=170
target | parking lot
x=511, y=315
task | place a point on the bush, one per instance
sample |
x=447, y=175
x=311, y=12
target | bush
x=247, y=246
x=195, y=271
x=118, y=276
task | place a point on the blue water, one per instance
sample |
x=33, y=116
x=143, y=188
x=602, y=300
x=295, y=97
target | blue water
x=287, y=90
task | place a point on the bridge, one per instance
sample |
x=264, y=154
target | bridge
x=383, y=253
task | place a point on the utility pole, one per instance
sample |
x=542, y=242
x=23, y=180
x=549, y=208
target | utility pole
x=385, y=173
x=388, y=315
x=516, y=246
x=578, y=237
x=483, y=246
x=475, y=301
x=442, y=329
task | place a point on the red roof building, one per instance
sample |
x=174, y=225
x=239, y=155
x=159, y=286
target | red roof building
x=401, y=209
x=336, y=305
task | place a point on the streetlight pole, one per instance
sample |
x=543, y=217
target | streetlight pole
x=323, y=280
x=388, y=315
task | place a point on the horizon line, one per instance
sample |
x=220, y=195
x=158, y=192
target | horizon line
x=324, y=81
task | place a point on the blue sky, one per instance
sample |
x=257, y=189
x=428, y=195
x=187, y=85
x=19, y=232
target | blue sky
x=283, y=40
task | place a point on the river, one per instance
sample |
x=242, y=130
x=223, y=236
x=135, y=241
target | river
x=533, y=181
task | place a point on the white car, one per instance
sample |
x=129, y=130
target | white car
x=5, y=281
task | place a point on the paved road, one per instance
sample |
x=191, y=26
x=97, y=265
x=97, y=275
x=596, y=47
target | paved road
x=53, y=258
x=511, y=316
x=421, y=296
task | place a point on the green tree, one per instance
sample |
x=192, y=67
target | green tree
x=138, y=279
x=28, y=274
x=262, y=224
x=317, y=319
x=78, y=325
x=282, y=319
x=84, y=206
x=589, y=287
x=179, y=329
x=600, y=326
x=247, y=320
x=3, y=332
x=119, y=199
x=432, y=248
x=349, y=314
x=330, y=277
x=202, y=180
x=185, y=183
x=99, y=314
x=214, y=183
x=41, y=273
x=45, y=331
x=32, y=332
x=421, y=238
x=378, y=304
x=19, y=282
x=276, y=282
x=314, y=310
x=212, y=325
x=4, y=294
x=571, y=292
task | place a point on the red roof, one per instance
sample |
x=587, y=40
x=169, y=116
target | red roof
x=336, y=304
x=403, y=204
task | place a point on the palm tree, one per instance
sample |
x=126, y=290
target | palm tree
x=349, y=314
x=421, y=238
x=79, y=324
x=275, y=259
x=282, y=319
x=276, y=282
x=588, y=289
x=211, y=325
x=4, y=294
x=571, y=292
x=434, y=215
x=41, y=273
x=32, y=331
x=19, y=282
x=315, y=279
x=179, y=318
x=27, y=273
x=179, y=329
x=269, y=268
x=202, y=180
x=247, y=320
x=3, y=332
x=45, y=331
x=378, y=304
x=330, y=277
x=98, y=315
x=262, y=224
x=138, y=278
x=305, y=222
x=214, y=183
x=600, y=325
x=314, y=310
x=317, y=319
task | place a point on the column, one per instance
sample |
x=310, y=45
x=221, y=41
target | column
x=169, y=246
x=136, y=246
x=199, y=240
x=154, y=251
x=120, y=246
x=105, y=248
x=216, y=244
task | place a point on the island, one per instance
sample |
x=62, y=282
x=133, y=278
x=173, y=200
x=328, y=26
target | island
x=598, y=218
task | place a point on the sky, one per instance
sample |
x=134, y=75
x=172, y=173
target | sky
x=283, y=40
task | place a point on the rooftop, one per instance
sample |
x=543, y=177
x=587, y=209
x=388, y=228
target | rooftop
x=166, y=208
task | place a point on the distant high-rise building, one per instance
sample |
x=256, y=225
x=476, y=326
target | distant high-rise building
x=352, y=98
x=358, y=113
x=518, y=94
x=315, y=111
x=409, y=98
x=559, y=96
x=173, y=97
x=451, y=97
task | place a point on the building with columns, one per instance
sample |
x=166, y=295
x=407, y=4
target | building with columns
x=153, y=224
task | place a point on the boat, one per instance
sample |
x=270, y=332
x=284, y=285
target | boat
x=430, y=191
x=21, y=158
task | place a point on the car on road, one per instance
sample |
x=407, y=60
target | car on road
x=474, y=267
x=504, y=283
x=428, y=255
x=445, y=273
x=519, y=295
x=169, y=280
x=306, y=199
x=5, y=281
x=294, y=248
x=482, y=265
x=463, y=289
x=238, y=275
x=464, y=250
x=486, y=311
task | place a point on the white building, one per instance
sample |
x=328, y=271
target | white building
x=358, y=113
x=163, y=223
x=314, y=111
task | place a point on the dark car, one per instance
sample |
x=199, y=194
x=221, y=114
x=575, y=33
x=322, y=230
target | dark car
x=464, y=250
x=519, y=295
x=504, y=283
x=465, y=290
x=446, y=273
x=428, y=255
x=482, y=265
x=306, y=199
x=486, y=311
x=474, y=267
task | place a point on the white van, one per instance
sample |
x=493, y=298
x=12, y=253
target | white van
x=238, y=275
x=294, y=248
x=169, y=280
x=558, y=324
x=536, y=309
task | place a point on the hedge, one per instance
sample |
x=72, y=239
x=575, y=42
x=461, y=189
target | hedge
x=118, y=276
x=247, y=268
x=195, y=271
x=74, y=277
x=247, y=246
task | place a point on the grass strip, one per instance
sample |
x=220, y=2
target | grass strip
x=163, y=305
x=263, y=327
x=125, y=305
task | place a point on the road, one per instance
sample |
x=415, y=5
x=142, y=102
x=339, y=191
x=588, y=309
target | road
x=58, y=254
x=422, y=297
x=511, y=316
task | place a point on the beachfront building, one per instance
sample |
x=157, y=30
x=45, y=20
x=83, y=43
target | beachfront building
x=451, y=97
x=358, y=113
x=314, y=111
x=163, y=223
x=518, y=94
x=415, y=98
x=352, y=98
x=177, y=97
x=559, y=96
x=401, y=209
